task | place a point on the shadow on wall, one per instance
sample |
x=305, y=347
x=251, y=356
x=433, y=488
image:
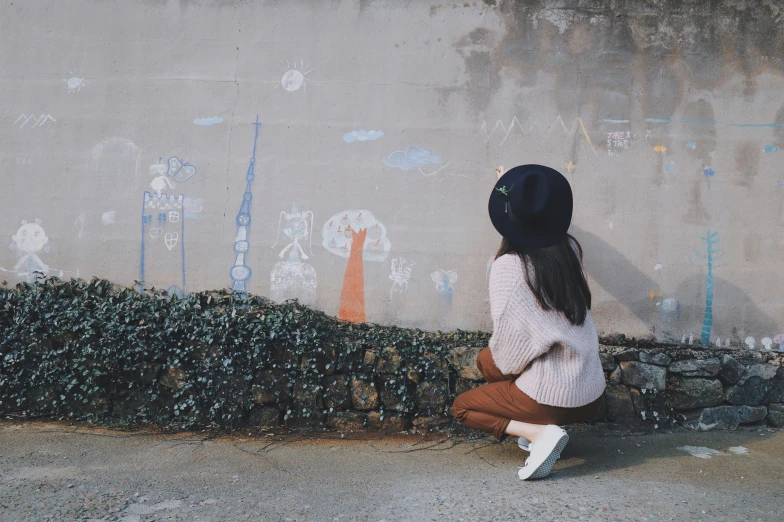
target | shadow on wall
x=621, y=279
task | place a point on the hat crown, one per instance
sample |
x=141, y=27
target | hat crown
x=530, y=194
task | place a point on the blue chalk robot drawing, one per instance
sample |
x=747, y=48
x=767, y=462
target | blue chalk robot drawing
x=241, y=272
x=711, y=255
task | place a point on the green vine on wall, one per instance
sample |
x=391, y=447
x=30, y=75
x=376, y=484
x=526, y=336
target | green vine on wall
x=97, y=351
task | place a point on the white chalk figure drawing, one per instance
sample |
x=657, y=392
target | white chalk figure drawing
x=117, y=156
x=505, y=129
x=157, y=223
x=358, y=236
x=78, y=225
x=445, y=283
x=294, y=77
x=400, y=275
x=74, y=83
x=28, y=241
x=108, y=217
x=750, y=342
x=37, y=121
x=415, y=157
x=293, y=278
x=362, y=135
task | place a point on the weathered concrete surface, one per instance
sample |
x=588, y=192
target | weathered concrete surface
x=56, y=472
x=636, y=101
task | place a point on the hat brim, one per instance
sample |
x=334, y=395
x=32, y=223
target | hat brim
x=512, y=231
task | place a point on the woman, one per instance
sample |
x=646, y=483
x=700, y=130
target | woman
x=542, y=367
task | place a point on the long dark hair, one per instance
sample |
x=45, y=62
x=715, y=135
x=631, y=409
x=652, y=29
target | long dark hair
x=559, y=281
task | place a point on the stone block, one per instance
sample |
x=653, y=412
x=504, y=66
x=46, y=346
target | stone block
x=719, y=418
x=777, y=387
x=390, y=393
x=762, y=371
x=267, y=417
x=173, y=377
x=432, y=423
x=608, y=361
x=370, y=357
x=685, y=393
x=619, y=402
x=601, y=409
x=432, y=397
x=385, y=422
x=615, y=376
x=697, y=367
x=776, y=419
x=388, y=361
x=364, y=395
x=749, y=414
x=337, y=393
x=751, y=392
x=657, y=358
x=463, y=360
x=628, y=355
x=731, y=370
x=643, y=375
x=346, y=421
x=264, y=391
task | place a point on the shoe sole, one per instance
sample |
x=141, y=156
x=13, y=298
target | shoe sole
x=546, y=467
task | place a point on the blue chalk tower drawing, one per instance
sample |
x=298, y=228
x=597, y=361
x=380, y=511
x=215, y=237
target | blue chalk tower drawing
x=163, y=226
x=241, y=272
x=711, y=255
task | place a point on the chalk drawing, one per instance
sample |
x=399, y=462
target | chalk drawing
x=669, y=167
x=569, y=166
x=28, y=241
x=108, y=217
x=505, y=129
x=756, y=125
x=173, y=233
x=74, y=83
x=413, y=158
x=205, y=122
x=767, y=342
x=660, y=148
x=779, y=339
x=400, y=275
x=718, y=342
x=294, y=77
x=750, y=342
x=617, y=141
x=613, y=121
x=656, y=120
x=160, y=181
x=358, y=236
x=445, y=281
x=657, y=267
x=700, y=121
x=711, y=255
x=174, y=216
x=37, y=121
x=24, y=161
x=293, y=279
x=117, y=156
x=578, y=124
x=179, y=170
x=362, y=135
x=240, y=272
x=769, y=148
x=192, y=207
x=78, y=225
x=691, y=145
x=708, y=172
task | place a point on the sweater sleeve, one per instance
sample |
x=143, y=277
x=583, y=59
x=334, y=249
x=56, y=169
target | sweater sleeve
x=519, y=324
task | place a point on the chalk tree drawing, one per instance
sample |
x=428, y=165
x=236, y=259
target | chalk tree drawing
x=400, y=275
x=294, y=78
x=415, y=157
x=162, y=226
x=292, y=278
x=711, y=255
x=37, y=121
x=241, y=272
x=28, y=241
x=445, y=281
x=357, y=235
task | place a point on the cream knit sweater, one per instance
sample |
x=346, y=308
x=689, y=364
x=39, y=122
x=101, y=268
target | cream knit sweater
x=558, y=362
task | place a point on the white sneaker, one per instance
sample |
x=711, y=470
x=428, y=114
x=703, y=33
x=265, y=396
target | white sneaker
x=525, y=444
x=547, y=451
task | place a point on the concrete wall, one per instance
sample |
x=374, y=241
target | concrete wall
x=666, y=116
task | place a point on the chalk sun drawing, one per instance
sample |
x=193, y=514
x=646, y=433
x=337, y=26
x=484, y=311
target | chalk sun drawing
x=294, y=77
x=205, y=122
x=292, y=278
x=74, y=83
x=415, y=157
x=362, y=135
x=359, y=236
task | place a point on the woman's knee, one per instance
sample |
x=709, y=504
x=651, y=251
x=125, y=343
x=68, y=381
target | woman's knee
x=459, y=408
x=484, y=362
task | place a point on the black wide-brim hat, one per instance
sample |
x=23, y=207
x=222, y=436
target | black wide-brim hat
x=531, y=206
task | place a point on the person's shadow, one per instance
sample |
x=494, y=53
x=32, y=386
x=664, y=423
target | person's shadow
x=630, y=287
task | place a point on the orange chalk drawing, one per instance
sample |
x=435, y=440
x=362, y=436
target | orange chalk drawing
x=352, y=297
x=660, y=148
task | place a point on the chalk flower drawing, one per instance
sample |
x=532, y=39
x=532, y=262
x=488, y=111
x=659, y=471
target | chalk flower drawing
x=205, y=122
x=400, y=275
x=357, y=235
x=294, y=78
x=362, y=135
x=414, y=158
x=75, y=83
x=691, y=145
x=292, y=278
x=445, y=281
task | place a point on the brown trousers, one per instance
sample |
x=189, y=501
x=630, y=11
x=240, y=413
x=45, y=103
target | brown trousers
x=492, y=406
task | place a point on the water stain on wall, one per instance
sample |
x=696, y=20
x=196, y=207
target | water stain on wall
x=747, y=156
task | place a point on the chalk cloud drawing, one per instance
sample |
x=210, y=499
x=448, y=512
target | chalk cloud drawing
x=358, y=236
x=192, y=207
x=294, y=77
x=108, y=217
x=293, y=278
x=74, y=83
x=240, y=272
x=362, y=135
x=445, y=281
x=769, y=148
x=415, y=157
x=767, y=342
x=750, y=342
x=400, y=275
x=205, y=122
x=28, y=241
x=37, y=121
